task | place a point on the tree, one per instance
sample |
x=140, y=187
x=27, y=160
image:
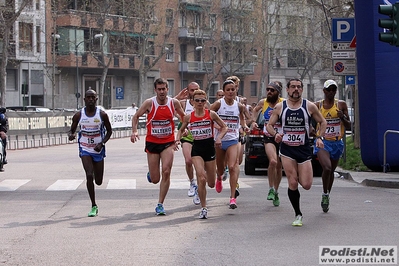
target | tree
x=8, y=17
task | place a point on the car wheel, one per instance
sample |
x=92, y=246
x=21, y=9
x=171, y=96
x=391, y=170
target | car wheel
x=249, y=168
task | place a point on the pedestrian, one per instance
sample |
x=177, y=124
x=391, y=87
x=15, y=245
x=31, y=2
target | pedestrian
x=295, y=115
x=274, y=170
x=160, y=139
x=241, y=138
x=95, y=131
x=200, y=123
x=3, y=134
x=336, y=114
x=187, y=141
x=219, y=94
x=232, y=113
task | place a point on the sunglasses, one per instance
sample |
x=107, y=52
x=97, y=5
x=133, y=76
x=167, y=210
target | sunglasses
x=331, y=88
x=270, y=89
x=199, y=100
x=296, y=86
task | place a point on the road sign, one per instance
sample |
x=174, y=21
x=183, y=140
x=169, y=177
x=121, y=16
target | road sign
x=343, y=29
x=343, y=67
x=350, y=80
x=339, y=46
x=343, y=55
x=119, y=93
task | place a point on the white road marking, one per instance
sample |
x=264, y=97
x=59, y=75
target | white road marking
x=12, y=184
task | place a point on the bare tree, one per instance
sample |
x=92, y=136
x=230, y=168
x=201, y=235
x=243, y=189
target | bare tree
x=8, y=16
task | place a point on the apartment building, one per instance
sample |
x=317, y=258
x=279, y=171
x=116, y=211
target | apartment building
x=118, y=48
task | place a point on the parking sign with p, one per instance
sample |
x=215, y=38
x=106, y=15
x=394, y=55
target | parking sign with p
x=343, y=29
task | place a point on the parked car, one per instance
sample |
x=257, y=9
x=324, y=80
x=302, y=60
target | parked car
x=255, y=154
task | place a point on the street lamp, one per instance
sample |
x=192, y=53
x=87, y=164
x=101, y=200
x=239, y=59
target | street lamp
x=55, y=38
x=77, y=94
x=198, y=48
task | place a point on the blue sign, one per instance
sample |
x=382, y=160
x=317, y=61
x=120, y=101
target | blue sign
x=343, y=29
x=119, y=93
x=350, y=80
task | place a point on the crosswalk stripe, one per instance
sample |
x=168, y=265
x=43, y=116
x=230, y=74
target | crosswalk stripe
x=73, y=184
x=65, y=184
x=121, y=184
x=12, y=184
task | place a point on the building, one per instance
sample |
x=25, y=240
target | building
x=119, y=47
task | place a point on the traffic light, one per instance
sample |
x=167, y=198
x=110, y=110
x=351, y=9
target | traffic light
x=391, y=24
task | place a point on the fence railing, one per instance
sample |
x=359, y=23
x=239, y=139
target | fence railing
x=41, y=129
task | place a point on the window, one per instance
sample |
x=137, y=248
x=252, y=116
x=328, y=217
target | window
x=212, y=21
x=170, y=52
x=183, y=19
x=296, y=58
x=254, y=88
x=213, y=53
x=169, y=17
x=38, y=47
x=25, y=36
x=37, y=4
x=212, y=92
x=241, y=88
x=171, y=86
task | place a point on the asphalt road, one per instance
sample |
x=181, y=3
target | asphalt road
x=42, y=223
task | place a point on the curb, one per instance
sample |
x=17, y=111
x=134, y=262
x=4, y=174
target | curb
x=383, y=183
x=380, y=183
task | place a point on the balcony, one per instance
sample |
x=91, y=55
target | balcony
x=185, y=32
x=237, y=37
x=239, y=69
x=196, y=2
x=238, y=4
x=195, y=67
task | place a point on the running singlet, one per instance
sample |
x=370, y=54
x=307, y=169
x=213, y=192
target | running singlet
x=201, y=127
x=91, y=132
x=188, y=109
x=335, y=129
x=230, y=114
x=295, y=123
x=160, y=125
x=267, y=112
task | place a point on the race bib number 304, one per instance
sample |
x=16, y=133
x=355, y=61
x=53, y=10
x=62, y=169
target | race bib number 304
x=294, y=136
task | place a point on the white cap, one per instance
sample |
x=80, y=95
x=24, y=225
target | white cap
x=330, y=82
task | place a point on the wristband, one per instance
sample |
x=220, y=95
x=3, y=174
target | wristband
x=320, y=137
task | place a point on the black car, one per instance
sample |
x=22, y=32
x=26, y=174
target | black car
x=255, y=154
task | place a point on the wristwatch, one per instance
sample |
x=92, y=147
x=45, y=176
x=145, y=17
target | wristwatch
x=320, y=137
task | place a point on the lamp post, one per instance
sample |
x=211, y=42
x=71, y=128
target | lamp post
x=55, y=38
x=77, y=94
x=198, y=48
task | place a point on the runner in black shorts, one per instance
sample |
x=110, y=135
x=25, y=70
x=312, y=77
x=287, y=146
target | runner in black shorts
x=205, y=149
x=156, y=147
x=200, y=123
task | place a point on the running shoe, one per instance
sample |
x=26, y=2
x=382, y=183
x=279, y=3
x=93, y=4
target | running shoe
x=93, y=212
x=203, y=214
x=271, y=194
x=219, y=185
x=237, y=192
x=225, y=174
x=159, y=210
x=325, y=202
x=297, y=221
x=148, y=177
x=276, y=200
x=196, y=198
x=233, y=203
x=191, y=191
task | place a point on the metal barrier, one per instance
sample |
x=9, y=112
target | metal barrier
x=385, y=166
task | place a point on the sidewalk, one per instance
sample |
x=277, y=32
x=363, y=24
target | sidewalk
x=372, y=179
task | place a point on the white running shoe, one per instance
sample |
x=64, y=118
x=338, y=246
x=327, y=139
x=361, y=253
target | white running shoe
x=203, y=214
x=191, y=191
x=196, y=198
